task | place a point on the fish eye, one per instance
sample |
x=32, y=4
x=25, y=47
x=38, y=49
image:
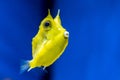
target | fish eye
x=47, y=25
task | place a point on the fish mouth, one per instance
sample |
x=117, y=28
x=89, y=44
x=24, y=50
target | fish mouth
x=66, y=34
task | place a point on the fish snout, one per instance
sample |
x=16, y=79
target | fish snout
x=66, y=34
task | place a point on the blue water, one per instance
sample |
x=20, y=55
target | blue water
x=93, y=52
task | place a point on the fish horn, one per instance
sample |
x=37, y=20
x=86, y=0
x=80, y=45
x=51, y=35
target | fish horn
x=57, y=18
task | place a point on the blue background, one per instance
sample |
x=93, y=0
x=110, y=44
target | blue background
x=93, y=52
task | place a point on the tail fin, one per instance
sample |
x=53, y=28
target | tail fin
x=24, y=66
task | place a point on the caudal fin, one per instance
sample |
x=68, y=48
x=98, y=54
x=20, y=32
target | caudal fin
x=24, y=66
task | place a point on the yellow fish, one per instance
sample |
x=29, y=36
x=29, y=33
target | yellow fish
x=48, y=44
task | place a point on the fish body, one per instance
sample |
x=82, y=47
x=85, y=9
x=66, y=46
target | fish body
x=49, y=43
